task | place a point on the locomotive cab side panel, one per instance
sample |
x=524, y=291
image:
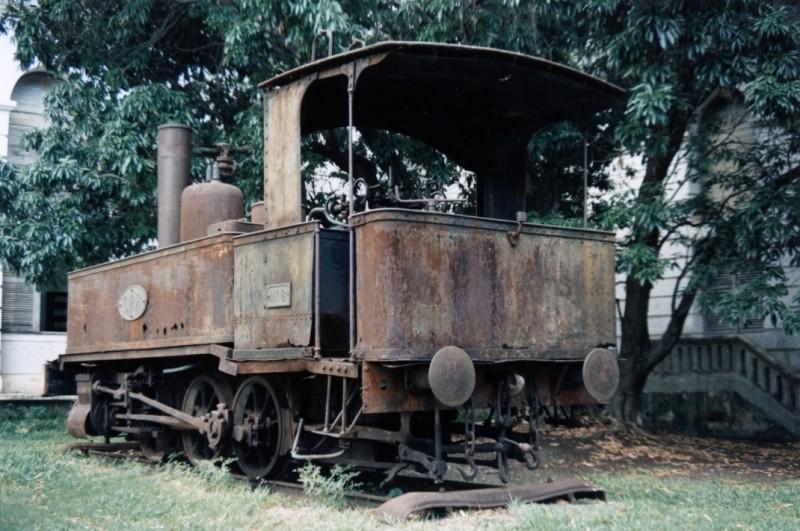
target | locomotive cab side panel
x=290, y=292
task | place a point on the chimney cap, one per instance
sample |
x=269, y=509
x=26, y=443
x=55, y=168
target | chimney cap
x=173, y=125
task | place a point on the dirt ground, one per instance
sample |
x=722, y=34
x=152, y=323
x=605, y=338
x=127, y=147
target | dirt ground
x=599, y=447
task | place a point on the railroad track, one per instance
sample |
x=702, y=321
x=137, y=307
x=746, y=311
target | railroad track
x=428, y=498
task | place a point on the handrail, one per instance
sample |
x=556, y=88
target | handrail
x=755, y=348
x=737, y=356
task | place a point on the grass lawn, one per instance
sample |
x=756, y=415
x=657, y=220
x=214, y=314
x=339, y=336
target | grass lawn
x=42, y=487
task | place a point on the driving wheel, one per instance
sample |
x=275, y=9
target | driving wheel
x=260, y=424
x=202, y=396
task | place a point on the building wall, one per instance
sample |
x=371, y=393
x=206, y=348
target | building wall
x=1, y=330
x=24, y=356
x=11, y=74
x=785, y=348
x=22, y=353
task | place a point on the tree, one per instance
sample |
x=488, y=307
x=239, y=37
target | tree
x=129, y=66
x=681, y=60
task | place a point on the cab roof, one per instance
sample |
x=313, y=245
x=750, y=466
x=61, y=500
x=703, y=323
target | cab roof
x=458, y=99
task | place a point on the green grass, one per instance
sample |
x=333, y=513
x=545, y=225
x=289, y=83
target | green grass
x=41, y=487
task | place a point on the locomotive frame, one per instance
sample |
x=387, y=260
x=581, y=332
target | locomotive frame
x=372, y=343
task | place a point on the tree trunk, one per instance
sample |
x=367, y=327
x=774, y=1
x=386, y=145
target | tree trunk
x=636, y=347
x=635, y=341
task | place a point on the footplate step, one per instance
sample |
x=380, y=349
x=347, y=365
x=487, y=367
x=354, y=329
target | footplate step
x=486, y=498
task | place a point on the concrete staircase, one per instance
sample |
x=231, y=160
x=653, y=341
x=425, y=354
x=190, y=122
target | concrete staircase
x=731, y=365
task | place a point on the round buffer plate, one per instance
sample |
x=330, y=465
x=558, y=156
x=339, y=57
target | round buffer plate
x=451, y=376
x=601, y=374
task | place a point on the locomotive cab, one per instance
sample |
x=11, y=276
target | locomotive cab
x=361, y=335
x=490, y=284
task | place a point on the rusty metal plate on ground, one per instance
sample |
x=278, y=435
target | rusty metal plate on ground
x=419, y=502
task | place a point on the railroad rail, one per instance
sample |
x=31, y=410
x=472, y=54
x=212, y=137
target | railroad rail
x=451, y=494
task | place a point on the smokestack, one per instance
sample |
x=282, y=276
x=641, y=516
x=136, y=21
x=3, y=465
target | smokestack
x=174, y=163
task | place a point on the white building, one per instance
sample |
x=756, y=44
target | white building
x=769, y=336
x=32, y=323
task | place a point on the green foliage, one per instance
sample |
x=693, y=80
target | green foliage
x=31, y=421
x=556, y=219
x=712, y=116
x=328, y=489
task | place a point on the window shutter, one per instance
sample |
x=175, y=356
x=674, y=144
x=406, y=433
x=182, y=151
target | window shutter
x=17, y=305
x=724, y=283
x=730, y=283
x=748, y=325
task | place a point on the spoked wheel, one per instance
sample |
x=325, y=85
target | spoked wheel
x=260, y=427
x=202, y=396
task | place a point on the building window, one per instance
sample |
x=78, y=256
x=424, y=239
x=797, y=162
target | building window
x=24, y=310
x=28, y=94
x=54, y=311
x=17, y=305
x=731, y=284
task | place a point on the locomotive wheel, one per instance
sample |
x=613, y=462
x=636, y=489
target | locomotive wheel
x=260, y=427
x=102, y=413
x=202, y=396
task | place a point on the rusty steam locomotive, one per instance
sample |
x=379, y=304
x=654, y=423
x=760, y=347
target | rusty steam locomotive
x=375, y=339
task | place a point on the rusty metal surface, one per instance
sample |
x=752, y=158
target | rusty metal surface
x=275, y=288
x=205, y=204
x=405, y=505
x=325, y=366
x=257, y=213
x=78, y=423
x=190, y=299
x=219, y=351
x=283, y=182
x=233, y=225
x=427, y=280
x=600, y=374
x=174, y=153
x=451, y=376
x=384, y=390
x=269, y=265
x=272, y=354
